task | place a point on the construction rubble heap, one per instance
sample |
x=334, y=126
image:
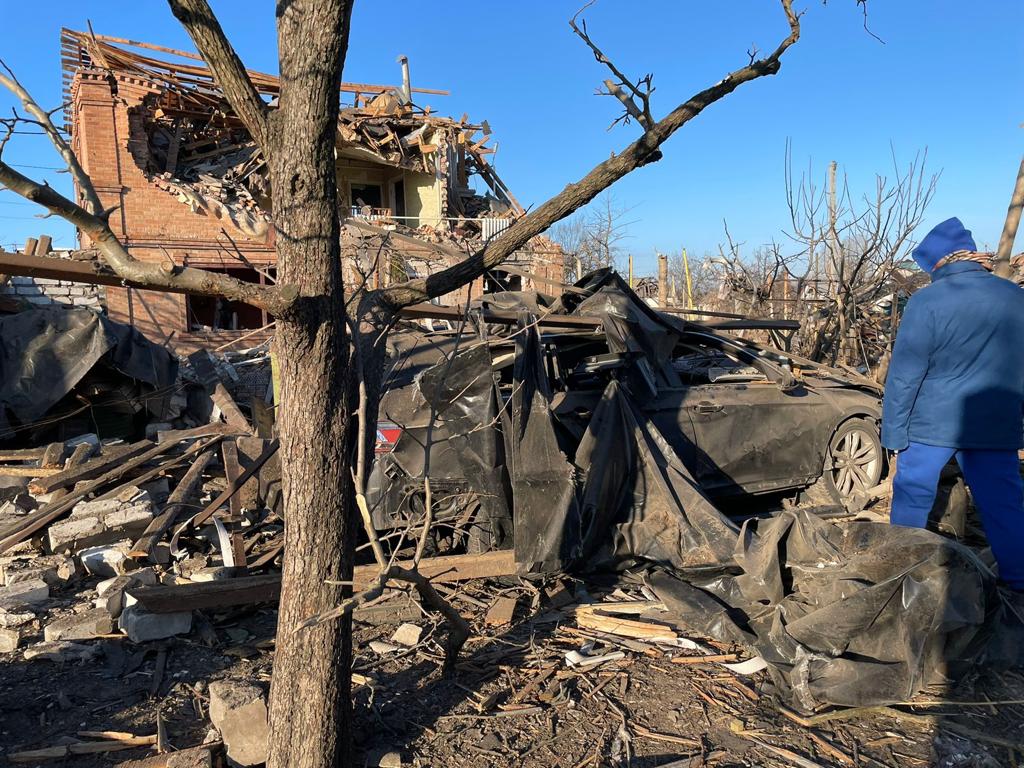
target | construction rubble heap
x=138, y=576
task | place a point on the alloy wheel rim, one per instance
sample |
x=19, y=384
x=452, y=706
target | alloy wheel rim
x=856, y=463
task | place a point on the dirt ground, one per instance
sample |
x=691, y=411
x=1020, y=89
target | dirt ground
x=513, y=700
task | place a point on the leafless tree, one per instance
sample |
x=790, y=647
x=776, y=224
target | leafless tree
x=593, y=238
x=315, y=353
x=751, y=281
x=838, y=271
x=851, y=248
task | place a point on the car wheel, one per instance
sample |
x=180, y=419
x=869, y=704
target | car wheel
x=854, y=463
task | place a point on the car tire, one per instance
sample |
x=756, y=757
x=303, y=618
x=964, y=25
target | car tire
x=847, y=477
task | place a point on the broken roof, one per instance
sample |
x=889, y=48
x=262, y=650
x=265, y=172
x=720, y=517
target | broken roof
x=380, y=125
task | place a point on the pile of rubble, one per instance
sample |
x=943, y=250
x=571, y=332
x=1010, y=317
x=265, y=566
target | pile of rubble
x=92, y=527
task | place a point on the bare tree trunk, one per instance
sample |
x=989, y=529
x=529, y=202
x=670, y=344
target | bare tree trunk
x=310, y=704
x=662, y=280
x=1009, y=234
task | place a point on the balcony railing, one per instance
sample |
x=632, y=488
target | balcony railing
x=490, y=226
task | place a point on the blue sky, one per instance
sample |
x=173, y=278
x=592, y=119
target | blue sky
x=948, y=78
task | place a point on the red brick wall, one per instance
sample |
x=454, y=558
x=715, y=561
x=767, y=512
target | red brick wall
x=153, y=223
x=156, y=226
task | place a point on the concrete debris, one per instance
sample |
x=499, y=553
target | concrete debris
x=55, y=570
x=407, y=635
x=107, y=560
x=26, y=592
x=212, y=573
x=15, y=616
x=100, y=522
x=382, y=648
x=384, y=759
x=239, y=712
x=110, y=594
x=9, y=639
x=80, y=626
x=141, y=625
x=61, y=651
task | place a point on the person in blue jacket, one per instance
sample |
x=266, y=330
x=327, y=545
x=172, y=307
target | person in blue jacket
x=955, y=387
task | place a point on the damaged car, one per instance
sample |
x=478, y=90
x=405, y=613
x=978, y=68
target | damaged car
x=743, y=419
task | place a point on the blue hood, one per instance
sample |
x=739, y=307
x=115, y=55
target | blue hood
x=946, y=238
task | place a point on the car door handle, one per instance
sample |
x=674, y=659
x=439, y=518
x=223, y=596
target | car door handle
x=708, y=407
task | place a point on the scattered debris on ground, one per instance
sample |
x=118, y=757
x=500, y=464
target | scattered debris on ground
x=139, y=570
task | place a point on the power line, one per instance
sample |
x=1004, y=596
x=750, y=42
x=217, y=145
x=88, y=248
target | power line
x=39, y=167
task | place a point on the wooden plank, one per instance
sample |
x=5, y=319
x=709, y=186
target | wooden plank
x=45, y=515
x=203, y=367
x=264, y=589
x=232, y=471
x=176, y=503
x=65, y=269
x=91, y=468
x=263, y=415
x=22, y=470
x=22, y=454
x=232, y=488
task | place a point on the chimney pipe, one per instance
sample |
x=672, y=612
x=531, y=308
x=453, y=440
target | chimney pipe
x=406, y=92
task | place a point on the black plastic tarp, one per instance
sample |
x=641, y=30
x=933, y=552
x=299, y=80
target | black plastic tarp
x=45, y=352
x=856, y=614
x=460, y=395
x=547, y=527
x=852, y=614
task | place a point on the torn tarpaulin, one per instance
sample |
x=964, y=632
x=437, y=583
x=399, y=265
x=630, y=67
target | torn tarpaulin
x=547, y=528
x=601, y=475
x=45, y=352
x=858, y=614
x=637, y=498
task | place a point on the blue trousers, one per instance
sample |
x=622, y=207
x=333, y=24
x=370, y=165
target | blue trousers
x=995, y=483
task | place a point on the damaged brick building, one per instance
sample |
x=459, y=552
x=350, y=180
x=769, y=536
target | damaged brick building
x=153, y=131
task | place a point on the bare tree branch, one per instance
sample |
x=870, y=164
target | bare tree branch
x=85, y=187
x=641, y=152
x=188, y=279
x=199, y=21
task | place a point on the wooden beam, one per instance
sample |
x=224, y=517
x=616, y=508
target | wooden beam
x=92, y=468
x=234, y=487
x=454, y=314
x=20, y=470
x=78, y=271
x=64, y=269
x=232, y=471
x=22, y=454
x=176, y=502
x=267, y=589
x=202, y=366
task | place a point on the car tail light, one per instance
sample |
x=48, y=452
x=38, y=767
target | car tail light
x=387, y=437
